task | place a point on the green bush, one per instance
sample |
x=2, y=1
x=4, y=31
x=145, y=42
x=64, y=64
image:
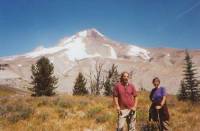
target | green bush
x=17, y=113
x=56, y=101
x=150, y=126
x=62, y=113
x=102, y=118
x=43, y=116
x=82, y=104
x=91, y=113
x=3, y=110
x=65, y=103
x=43, y=102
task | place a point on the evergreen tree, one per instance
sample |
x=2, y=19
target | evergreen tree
x=190, y=85
x=108, y=87
x=111, y=80
x=79, y=87
x=42, y=78
x=182, y=92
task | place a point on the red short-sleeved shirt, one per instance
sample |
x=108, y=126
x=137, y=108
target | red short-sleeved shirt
x=125, y=95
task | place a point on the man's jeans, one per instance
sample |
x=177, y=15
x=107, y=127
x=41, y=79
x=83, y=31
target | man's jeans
x=128, y=117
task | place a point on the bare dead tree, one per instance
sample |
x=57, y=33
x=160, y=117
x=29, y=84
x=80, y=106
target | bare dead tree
x=131, y=73
x=92, y=83
x=96, y=78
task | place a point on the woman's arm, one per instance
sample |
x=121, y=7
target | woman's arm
x=163, y=101
x=151, y=94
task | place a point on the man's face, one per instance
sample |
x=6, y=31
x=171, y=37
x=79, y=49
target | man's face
x=125, y=78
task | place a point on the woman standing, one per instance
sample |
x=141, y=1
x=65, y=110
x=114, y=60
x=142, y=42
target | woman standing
x=158, y=110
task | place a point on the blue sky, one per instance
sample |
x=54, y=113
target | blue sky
x=26, y=24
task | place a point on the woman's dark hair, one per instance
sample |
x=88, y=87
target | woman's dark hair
x=154, y=79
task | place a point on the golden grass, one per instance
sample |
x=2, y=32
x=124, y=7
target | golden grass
x=84, y=113
x=4, y=91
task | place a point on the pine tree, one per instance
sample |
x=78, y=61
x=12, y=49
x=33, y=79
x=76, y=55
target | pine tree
x=190, y=83
x=79, y=87
x=112, y=79
x=108, y=87
x=42, y=77
x=182, y=95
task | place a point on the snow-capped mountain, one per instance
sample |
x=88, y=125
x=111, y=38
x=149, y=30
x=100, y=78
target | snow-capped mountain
x=86, y=44
x=79, y=52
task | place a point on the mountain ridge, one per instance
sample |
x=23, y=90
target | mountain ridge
x=80, y=52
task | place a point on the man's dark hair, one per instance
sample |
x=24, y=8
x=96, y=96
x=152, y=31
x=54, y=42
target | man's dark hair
x=122, y=74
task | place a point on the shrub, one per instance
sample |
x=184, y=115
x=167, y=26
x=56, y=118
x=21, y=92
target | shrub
x=62, y=113
x=93, y=111
x=65, y=103
x=17, y=113
x=43, y=116
x=150, y=126
x=102, y=118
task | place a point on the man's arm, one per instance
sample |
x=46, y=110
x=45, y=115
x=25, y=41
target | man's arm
x=135, y=98
x=135, y=103
x=115, y=99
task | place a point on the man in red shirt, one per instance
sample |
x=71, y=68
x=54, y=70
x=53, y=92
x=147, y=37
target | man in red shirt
x=125, y=99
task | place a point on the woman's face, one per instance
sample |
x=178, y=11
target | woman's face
x=156, y=82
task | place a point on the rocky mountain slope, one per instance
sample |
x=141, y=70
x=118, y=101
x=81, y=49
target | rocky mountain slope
x=81, y=52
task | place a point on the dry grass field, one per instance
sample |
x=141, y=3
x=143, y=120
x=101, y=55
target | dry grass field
x=83, y=113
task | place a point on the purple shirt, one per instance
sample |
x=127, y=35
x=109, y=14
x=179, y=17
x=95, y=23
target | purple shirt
x=158, y=94
x=125, y=95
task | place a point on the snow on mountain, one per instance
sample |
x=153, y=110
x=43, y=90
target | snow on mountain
x=113, y=52
x=43, y=51
x=137, y=51
x=165, y=63
x=9, y=58
x=98, y=33
x=76, y=48
x=83, y=33
x=39, y=48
